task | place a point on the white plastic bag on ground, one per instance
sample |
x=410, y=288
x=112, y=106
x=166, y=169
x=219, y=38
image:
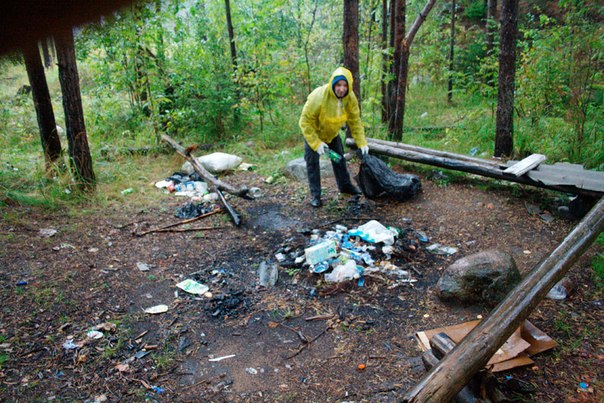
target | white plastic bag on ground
x=343, y=272
x=215, y=163
x=374, y=232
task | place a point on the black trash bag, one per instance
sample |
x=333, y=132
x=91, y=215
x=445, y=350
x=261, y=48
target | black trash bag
x=191, y=210
x=377, y=180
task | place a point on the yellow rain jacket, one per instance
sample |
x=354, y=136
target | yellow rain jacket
x=324, y=114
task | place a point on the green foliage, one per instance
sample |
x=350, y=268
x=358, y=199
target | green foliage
x=475, y=10
x=558, y=82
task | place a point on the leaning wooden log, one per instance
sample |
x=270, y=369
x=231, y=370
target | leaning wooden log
x=463, y=163
x=207, y=176
x=438, y=153
x=454, y=371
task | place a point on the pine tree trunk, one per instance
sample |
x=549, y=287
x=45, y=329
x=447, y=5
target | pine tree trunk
x=490, y=25
x=397, y=35
x=451, y=54
x=51, y=144
x=504, y=143
x=490, y=28
x=397, y=119
x=351, y=42
x=384, y=60
x=350, y=39
x=79, y=153
x=227, y=6
x=46, y=53
x=401, y=56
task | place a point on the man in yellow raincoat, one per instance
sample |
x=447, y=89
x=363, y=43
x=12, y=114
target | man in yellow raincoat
x=327, y=109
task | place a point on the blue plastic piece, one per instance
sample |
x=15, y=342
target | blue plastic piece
x=320, y=268
x=422, y=237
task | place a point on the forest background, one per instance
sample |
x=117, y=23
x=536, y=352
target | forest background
x=165, y=67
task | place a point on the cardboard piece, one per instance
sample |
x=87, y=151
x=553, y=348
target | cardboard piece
x=525, y=341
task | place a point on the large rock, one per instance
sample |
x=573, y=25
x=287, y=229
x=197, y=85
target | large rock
x=297, y=169
x=483, y=278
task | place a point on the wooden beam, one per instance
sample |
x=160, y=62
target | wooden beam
x=456, y=369
x=437, y=153
x=463, y=163
x=522, y=167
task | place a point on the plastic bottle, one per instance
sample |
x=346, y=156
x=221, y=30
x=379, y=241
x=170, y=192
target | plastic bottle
x=334, y=156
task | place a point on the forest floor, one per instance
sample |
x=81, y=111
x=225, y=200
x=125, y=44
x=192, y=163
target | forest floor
x=57, y=288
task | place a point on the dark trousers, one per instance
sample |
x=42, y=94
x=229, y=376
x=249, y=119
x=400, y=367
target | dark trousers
x=313, y=169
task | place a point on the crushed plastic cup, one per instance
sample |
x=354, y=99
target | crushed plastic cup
x=561, y=290
x=95, y=334
x=267, y=274
x=193, y=287
x=69, y=344
x=142, y=266
x=255, y=193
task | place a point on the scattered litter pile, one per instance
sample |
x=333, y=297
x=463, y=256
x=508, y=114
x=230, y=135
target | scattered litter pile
x=189, y=185
x=371, y=249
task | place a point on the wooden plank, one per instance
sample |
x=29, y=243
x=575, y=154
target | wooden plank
x=454, y=371
x=551, y=175
x=522, y=167
x=566, y=174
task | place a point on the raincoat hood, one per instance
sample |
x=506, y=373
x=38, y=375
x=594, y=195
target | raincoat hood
x=340, y=71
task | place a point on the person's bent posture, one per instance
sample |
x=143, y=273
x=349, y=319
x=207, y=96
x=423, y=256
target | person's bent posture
x=327, y=109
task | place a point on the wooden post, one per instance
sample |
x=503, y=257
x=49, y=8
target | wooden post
x=454, y=371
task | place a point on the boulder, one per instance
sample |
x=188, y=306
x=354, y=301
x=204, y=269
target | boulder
x=297, y=169
x=482, y=278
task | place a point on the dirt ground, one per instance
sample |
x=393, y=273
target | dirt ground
x=301, y=340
